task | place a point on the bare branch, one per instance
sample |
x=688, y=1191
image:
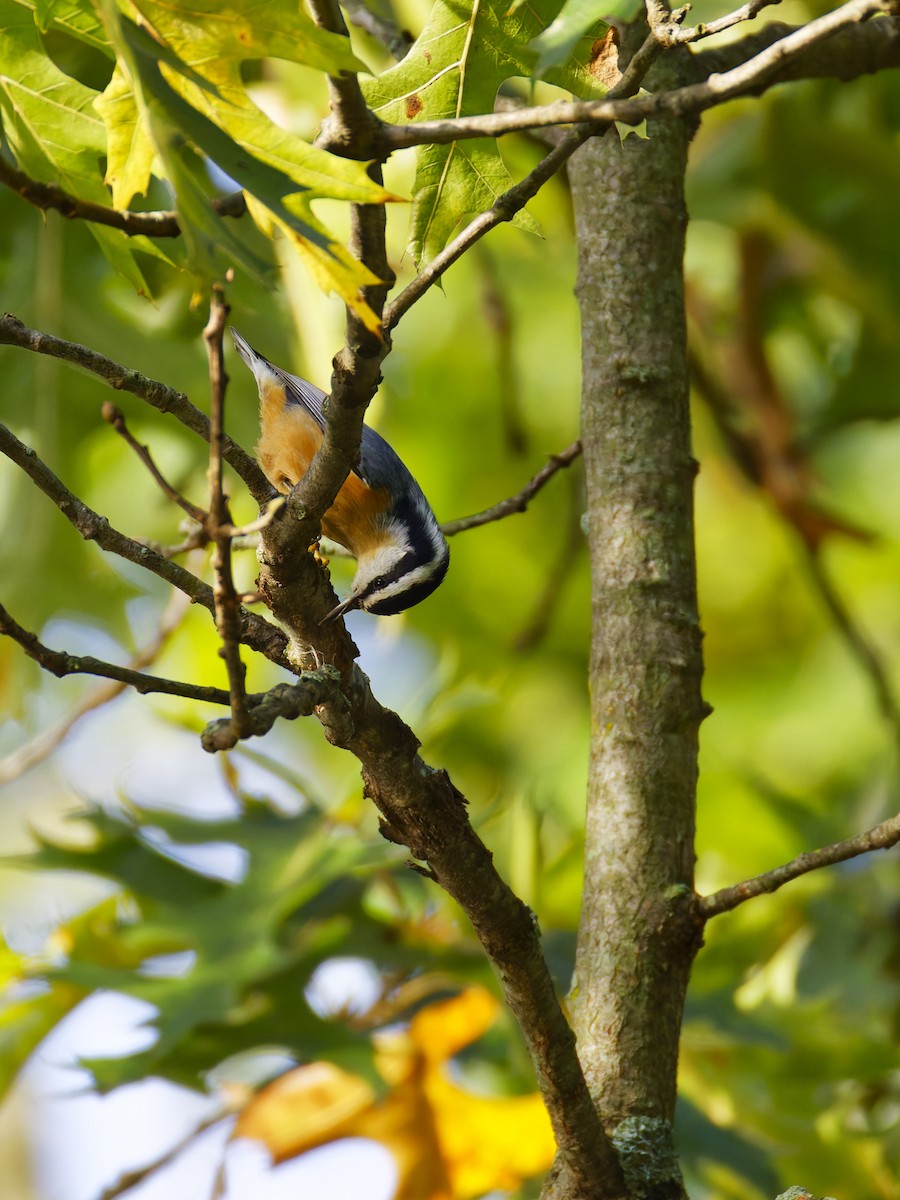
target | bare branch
x=880, y=837
x=512, y=201
x=43, y=744
x=422, y=809
x=234, y=532
x=503, y=209
x=115, y=417
x=860, y=50
x=227, y=601
x=165, y=399
x=286, y=701
x=59, y=663
x=151, y=224
x=764, y=70
x=675, y=34
x=256, y=630
x=520, y=501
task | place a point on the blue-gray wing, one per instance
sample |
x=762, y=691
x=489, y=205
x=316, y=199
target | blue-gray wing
x=379, y=465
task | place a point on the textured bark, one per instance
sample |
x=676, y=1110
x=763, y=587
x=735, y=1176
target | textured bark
x=638, y=937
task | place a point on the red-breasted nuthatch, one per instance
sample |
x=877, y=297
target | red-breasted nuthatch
x=380, y=514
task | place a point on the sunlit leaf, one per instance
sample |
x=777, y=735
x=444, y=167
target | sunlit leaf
x=455, y=68
x=130, y=148
x=446, y=1140
x=52, y=128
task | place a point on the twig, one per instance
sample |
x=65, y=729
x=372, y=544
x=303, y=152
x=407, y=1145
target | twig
x=519, y=502
x=59, y=663
x=38, y=748
x=287, y=701
x=257, y=632
x=151, y=224
x=677, y=35
x=862, y=50
x=512, y=201
x=273, y=508
x=226, y=599
x=113, y=414
x=165, y=399
x=759, y=72
x=880, y=837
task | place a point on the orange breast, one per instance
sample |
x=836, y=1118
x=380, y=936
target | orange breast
x=290, y=438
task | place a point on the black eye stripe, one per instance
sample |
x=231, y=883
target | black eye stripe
x=403, y=600
x=407, y=563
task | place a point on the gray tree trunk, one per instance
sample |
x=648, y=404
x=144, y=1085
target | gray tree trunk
x=637, y=937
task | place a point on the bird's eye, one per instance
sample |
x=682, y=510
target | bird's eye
x=378, y=583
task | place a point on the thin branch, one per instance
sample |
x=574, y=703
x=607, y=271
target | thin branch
x=165, y=399
x=503, y=209
x=880, y=837
x=257, y=632
x=60, y=663
x=862, y=50
x=162, y=224
x=287, y=701
x=520, y=501
x=42, y=745
x=512, y=201
x=115, y=417
x=234, y=532
x=675, y=34
x=760, y=72
x=227, y=602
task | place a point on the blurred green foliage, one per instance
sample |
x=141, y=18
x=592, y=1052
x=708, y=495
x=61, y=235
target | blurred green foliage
x=789, y=1066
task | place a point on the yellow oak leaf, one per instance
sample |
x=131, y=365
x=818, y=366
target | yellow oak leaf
x=447, y=1142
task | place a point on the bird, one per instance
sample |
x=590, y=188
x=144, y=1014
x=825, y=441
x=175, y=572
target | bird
x=380, y=514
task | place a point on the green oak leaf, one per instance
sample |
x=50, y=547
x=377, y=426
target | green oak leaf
x=52, y=129
x=75, y=17
x=455, y=68
x=201, y=100
x=253, y=944
x=131, y=150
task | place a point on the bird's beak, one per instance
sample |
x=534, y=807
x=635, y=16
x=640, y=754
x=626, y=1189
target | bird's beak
x=339, y=609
